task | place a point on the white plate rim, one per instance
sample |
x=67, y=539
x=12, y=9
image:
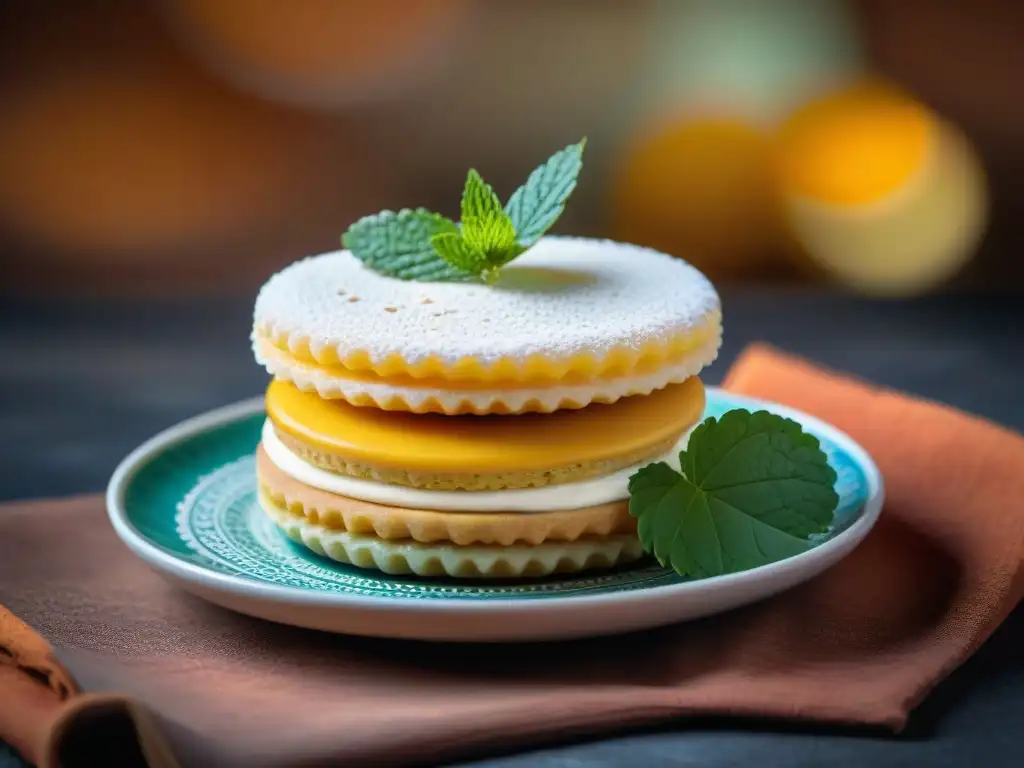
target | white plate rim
x=249, y=589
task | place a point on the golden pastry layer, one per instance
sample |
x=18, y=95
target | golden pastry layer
x=535, y=369
x=433, y=394
x=474, y=561
x=340, y=513
x=481, y=452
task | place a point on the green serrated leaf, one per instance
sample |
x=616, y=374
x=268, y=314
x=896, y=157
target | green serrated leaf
x=460, y=254
x=754, y=487
x=399, y=245
x=536, y=205
x=485, y=225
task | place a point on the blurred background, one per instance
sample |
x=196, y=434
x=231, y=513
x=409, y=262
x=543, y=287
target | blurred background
x=849, y=173
x=194, y=146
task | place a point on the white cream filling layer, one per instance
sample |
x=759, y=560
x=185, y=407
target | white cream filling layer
x=549, y=498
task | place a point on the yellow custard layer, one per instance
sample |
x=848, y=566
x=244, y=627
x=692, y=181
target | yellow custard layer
x=433, y=443
x=469, y=372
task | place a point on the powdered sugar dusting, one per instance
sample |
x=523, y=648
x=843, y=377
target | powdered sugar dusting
x=564, y=297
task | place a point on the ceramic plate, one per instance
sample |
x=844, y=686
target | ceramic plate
x=185, y=503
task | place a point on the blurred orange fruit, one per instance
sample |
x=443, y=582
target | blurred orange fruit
x=880, y=192
x=699, y=187
x=854, y=146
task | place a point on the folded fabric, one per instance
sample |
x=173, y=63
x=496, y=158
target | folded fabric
x=173, y=679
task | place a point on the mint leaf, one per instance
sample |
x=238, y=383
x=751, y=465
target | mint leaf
x=459, y=253
x=399, y=245
x=753, y=488
x=536, y=205
x=485, y=225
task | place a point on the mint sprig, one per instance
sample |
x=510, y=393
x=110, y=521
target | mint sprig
x=399, y=244
x=425, y=246
x=487, y=231
x=753, y=488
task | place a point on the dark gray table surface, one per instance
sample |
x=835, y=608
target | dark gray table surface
x=83, y=382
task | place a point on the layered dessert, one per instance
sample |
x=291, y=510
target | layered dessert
x=478, y=429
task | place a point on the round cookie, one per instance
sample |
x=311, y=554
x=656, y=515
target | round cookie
x=481, y=452
x=573, y=321
x=340, y=513
x=474, y=561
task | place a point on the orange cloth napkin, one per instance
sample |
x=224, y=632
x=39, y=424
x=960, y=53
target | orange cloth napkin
x=188, y=682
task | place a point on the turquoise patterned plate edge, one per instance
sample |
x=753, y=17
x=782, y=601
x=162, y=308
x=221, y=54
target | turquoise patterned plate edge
x=184, y=502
